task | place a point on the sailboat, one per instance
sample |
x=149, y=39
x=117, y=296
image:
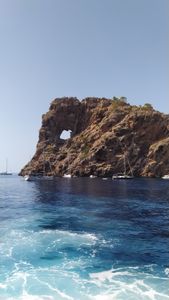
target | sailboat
x=6, y=170
x=124, y=175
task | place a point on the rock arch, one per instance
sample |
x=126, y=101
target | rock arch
x=66, y=134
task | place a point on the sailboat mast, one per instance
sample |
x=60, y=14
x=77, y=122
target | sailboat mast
x=124, y=164
x=6, y=169
x=131, y=171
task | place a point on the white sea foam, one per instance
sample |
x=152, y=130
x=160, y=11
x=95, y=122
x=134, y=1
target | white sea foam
x=104, y=297
x=100, y=277
x=128, y=283
x=2, y=286
x=27, y=296
x=27, y=279
x=27, y=245
x=58, y=292
x=113, y=284
x=83, y=235
x=61, y=279
x=166, y=271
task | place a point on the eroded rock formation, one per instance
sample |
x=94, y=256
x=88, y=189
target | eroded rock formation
x=102, y=132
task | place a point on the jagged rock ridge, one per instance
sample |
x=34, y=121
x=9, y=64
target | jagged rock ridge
x=102, y=131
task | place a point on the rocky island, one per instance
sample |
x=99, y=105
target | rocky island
x=102, y=132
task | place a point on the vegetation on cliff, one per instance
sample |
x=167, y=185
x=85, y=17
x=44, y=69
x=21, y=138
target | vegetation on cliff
x=102, y=131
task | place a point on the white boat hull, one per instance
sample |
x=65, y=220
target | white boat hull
x=67, y=175
x=37, y=178
x=122, y=177
x=165, y=177
x=92, y=176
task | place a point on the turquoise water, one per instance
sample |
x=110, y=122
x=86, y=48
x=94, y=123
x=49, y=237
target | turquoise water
x=84, y=239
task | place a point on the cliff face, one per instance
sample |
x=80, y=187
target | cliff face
x=103, y=131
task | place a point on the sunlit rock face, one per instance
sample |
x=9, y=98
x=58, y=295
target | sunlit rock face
x=103, y=132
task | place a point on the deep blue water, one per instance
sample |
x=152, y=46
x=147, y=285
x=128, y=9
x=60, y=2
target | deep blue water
x=84, y=239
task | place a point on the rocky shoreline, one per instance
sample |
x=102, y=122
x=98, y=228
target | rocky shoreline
x=103, y=132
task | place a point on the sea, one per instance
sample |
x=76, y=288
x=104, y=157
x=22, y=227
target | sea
x=84, y=239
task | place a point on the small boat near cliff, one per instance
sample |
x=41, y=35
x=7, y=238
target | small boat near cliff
x=28, y=177
x=67, y=175
x=93, y=176
x=165, y=177
x=37, y=177
x=124, y=175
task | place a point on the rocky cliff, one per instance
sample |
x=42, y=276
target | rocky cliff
x=103, y=132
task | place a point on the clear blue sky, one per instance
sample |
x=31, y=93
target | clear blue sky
x=53, y=48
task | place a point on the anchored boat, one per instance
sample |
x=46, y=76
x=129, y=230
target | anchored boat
x=6, y=170
x=124, y=175
x=165, y=177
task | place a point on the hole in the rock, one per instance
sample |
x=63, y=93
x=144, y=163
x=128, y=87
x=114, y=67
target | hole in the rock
x=65, y=135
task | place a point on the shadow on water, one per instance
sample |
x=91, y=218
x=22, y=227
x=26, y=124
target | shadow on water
x=136, y=188
x=80, y=203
